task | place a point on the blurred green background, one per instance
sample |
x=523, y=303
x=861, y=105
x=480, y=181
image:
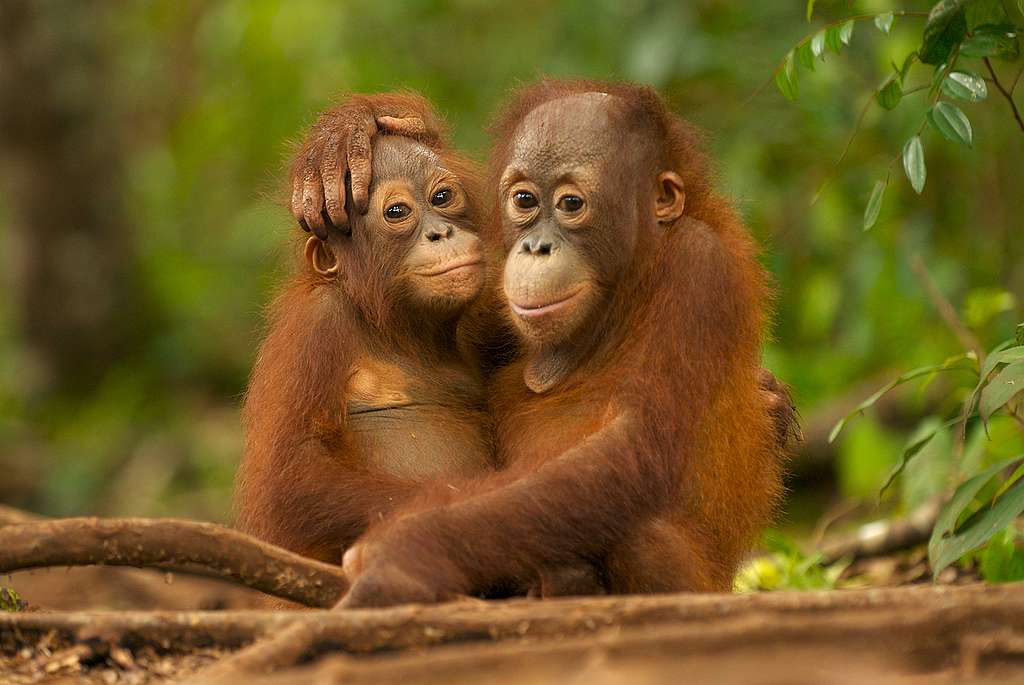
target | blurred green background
x=142, y=156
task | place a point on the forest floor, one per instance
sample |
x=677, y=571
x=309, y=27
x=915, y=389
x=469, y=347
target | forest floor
x=909, y=634
x=123, y=625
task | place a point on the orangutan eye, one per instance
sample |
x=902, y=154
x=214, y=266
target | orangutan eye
x=524, y=199
x=570, y=203
x=441, y=197
x=397, y=212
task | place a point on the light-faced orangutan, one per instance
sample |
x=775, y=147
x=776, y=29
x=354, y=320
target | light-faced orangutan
x=634, y=431
x=360, y=393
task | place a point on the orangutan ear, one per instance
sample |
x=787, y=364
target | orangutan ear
x=671, y=198
x=321, y=258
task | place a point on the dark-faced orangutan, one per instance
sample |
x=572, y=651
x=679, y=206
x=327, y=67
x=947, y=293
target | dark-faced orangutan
x=634, y=431
x=360, y=393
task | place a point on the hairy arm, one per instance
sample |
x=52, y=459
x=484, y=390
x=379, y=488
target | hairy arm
x=514, y=525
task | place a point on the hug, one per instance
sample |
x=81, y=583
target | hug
x=540, y=378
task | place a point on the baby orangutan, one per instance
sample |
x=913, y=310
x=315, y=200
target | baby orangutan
x=360, y=393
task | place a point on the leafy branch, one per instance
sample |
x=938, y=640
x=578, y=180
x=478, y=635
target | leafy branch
x=955, y=29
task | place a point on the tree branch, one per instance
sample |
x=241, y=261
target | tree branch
x=1008, y=94
x=172, y=545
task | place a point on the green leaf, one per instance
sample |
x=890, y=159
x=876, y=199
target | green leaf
x=977, y=532
x=992, y=41
x=961, y=499
x=806, y=55
x=1001, y=389
x=965, y=86
x=1002, y=561
x=833, y=40
x=912, y=449
x=945, y=28
x=1007, y=355
x=913, y=164
x=874, y=204
x=818, y=44
x=889, y=95
x=1020, y=327
x=884, y=22
x=10, y=602
x=951, y=122
x=810, y=9
x=950, y=364
x=785, y=78
x=1000, y=355
x=846, y=32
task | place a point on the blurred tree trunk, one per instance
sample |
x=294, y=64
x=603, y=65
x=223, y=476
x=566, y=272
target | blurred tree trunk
x=74, y=290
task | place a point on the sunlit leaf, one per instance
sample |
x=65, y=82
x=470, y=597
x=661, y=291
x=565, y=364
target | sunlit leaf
x=1001, y=389
x=950, y=364
x=846, y=32
x=942, y=550
x=833, y=40
x=945, y=28
x=818, y=44
x=890, y=94
x=806, y=55
x=884, y=22
x=951, y=122
x=874, y=204
x=785, y=78
x=913, y=164
x=965, y=86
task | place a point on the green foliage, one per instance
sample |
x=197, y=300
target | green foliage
x=1002, y=560
x=951, y=122
x=951, y=540
x=965, y=86
x=787, y=567
x=960, y=361
x=10, y=602
x=913, y=164
x=945, y=29
x=953, y=29
x=992, y=41
x=875, y=204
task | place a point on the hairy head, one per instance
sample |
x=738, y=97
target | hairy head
x=416, y=251
x=590, y=176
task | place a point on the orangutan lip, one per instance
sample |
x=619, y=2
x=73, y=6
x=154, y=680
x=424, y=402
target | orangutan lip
x=530, y=311
x=472, y=260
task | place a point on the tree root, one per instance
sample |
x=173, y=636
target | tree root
x=172, y=545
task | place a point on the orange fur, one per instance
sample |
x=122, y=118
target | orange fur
x=657, y=458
